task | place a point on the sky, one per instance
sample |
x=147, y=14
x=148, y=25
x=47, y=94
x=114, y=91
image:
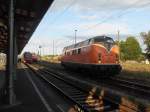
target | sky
x=90, y=18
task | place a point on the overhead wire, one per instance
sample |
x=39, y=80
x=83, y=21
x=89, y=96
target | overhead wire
x=58, y=16
x=143, y=5
x=63, y=12
x=121, y=13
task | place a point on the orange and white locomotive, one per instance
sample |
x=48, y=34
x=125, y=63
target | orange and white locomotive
x=99, y=54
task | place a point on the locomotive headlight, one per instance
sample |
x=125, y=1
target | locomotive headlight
x=99, y=57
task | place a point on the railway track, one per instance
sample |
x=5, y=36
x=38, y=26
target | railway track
x=141, y=90
x=89, y=102
x=83, y=101
x=134, y=87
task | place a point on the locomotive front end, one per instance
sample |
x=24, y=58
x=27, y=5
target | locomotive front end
x=106, y=55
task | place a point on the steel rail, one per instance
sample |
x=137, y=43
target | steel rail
x=132, y=86
x=117, y=103
x=76, y=95
x=57, y=73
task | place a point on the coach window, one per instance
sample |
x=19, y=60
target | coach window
x=70, y=52
x=86, y=42
x=74, y=52
x=79, y=50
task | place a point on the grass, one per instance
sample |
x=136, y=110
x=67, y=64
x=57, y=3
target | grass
x=131, y=70
x=136, y=71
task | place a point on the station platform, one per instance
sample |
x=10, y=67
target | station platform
x=26, y=95
x=36, y=96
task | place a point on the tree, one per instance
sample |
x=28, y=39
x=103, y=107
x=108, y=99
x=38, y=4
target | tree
x=133, y=50
x=146, y=39
x=130, y=49
x=122, y=46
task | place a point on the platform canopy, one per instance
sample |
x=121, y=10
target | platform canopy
x=28, y=14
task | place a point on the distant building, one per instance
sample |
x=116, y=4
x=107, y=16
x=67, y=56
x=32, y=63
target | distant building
x=2, y=58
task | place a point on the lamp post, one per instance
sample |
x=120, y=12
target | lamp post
x=53, y=48
x=40, y=51
x=75, y=35
x=118, y=35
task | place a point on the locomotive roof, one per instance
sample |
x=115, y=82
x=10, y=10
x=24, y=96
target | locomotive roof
x=102, y=37
x=86, y=42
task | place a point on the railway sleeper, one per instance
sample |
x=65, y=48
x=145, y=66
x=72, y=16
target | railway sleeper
x=80, y=100
x=75, y=94
x=72, y=90
x=99, y=109
x=78, y=96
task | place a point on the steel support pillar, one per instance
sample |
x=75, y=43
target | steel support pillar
x=11, y=99
x=15, y=56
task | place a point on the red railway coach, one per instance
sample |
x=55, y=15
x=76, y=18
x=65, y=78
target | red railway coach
x=27, y=57
x=99, y=54
x=34, y=57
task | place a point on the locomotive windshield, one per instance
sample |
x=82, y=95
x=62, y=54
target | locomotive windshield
x=103, y=39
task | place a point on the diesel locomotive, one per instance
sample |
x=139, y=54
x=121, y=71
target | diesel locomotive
x=99, y=55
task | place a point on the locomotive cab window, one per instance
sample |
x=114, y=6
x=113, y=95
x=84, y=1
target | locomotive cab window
x=103, y=40
x=110, y=41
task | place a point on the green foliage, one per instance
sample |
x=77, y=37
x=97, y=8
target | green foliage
x=122, y=50
x=146, y=39
x=141, y=58
x=130, y=49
